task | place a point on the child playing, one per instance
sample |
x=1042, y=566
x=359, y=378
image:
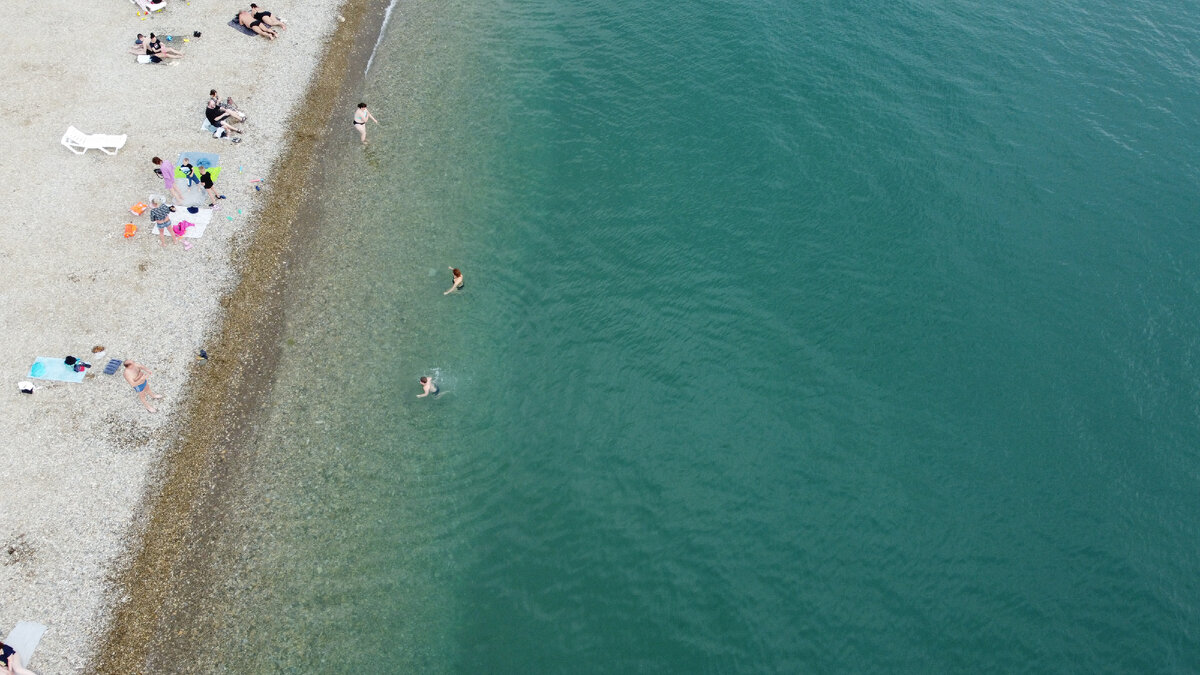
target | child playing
x=189, y=171
x=207, y=181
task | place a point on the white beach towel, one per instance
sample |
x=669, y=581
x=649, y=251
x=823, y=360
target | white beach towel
x=199, y=221
x=24, y=638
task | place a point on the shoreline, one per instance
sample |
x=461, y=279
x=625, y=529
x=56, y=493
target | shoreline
x=94, y=508
x=166, y=556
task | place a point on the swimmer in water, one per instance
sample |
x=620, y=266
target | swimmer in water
x=430, y=387
x=458, y=281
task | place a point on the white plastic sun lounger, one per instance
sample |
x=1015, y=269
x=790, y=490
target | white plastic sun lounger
x=150, y=5
x=24, y=639
x=79, y=142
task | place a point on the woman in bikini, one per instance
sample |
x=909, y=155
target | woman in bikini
x=360, y=121
x=458, y=281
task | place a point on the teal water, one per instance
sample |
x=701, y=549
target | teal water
x=797, y=337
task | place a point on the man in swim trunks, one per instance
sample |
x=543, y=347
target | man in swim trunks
x=246, y=18
x=429, y=386
x=138, y=377
x=266, y=17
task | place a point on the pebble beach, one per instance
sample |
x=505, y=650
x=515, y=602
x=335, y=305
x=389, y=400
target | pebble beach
x=83, y=462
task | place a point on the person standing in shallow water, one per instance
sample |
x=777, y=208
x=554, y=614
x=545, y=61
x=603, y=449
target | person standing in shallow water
x=458, y=281
x=360, y=121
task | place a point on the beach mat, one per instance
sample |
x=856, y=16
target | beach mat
x=200, y=160
x=24, y=638
x=113, y=364
x=240, y=28
x=199, y=221
x=211, y=160
x=54, y=369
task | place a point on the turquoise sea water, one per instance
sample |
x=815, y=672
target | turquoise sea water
x=797, y=337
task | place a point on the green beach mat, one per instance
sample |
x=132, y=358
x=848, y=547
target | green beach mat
x=199, y=160
x=47, y=368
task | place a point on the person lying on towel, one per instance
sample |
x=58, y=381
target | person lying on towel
x=246, y=18
x=266, y=17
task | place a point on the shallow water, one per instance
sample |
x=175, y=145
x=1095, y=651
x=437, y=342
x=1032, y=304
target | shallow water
x=796, y=337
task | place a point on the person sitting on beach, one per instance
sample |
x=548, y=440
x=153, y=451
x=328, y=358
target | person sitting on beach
x=458, y=281
x=139, y=45
x=218, y=116
x=429, y=386
x=154, y=47
x=266, y=17
x=10, y=662
x=246, y=18
x=138, y=377
x=214, y=101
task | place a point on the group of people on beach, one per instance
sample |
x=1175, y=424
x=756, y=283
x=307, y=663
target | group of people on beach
x=221, y=116
x=154, y=48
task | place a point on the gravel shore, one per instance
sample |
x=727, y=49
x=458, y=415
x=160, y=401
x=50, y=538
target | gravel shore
x=81, y=461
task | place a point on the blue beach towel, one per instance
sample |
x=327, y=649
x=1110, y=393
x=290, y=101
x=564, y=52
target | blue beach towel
x=47, y=368
x=240, y=28
x=200, y=160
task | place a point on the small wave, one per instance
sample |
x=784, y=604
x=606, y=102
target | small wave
x=387, y=16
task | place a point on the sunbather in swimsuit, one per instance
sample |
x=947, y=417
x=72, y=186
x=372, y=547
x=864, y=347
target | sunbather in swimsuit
x=264, y=16
x=247, y=19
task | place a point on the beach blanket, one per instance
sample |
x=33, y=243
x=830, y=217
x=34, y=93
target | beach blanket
x=24, y=638
x=199, y=221
x=240, y=28
x=54, y=369
x=200, y=160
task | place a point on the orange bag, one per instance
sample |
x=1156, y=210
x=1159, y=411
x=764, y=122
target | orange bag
x=138, y=208
x=130, y=229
